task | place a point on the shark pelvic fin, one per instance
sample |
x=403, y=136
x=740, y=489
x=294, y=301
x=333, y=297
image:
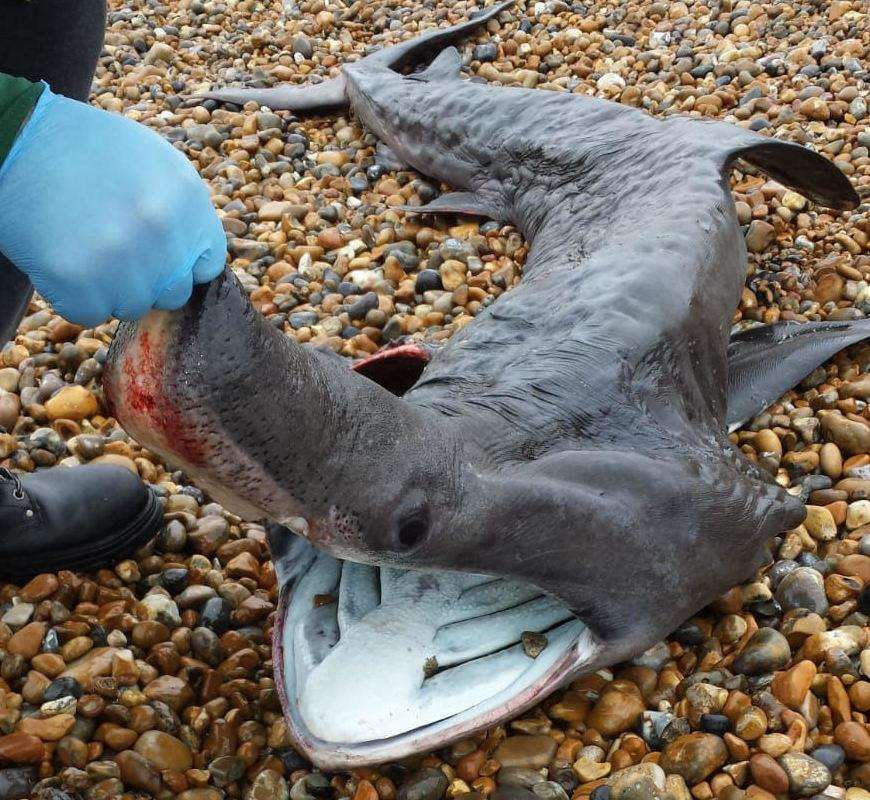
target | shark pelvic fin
x=445, y=67
x=766, y=361
x=460, y=203
x=387, y=158
x=317, y=97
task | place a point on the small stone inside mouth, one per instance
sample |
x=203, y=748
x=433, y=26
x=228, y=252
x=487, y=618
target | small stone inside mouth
x=430, y=666
x=533, y=643
x=323, y=600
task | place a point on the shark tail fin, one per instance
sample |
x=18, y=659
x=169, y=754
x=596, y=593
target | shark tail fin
x=791, y=164
x=332, y=93
x=422, y=48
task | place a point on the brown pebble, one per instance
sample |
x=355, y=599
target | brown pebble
x=163, y=751
x=694, y=756
x=96, y=663
x=859, y=695
x=137, y=773
x=857, y=565
x=838, y=700
x=854, y=738
x=170, y=690
x=768, y=774
x=50, y=729
x=21, y=748
x=72, y=752
x=616, y=711
x=39, y=588
x=27, y=641
x=533, y=751
x=791, y=686
x=50, y=664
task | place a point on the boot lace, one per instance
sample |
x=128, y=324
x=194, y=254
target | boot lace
x=7, y=476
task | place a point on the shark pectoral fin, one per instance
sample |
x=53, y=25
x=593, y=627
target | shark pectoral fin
x=795, y=166
x=445, y=67
x=386, y=158
x=316, y=97
x=768, y=360
x=459, y=203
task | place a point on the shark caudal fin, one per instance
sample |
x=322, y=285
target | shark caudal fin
x=766, y=361
x=331, y=94
x=791, y=164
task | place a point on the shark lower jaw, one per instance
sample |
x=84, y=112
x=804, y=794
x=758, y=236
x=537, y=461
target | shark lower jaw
x=374, y=664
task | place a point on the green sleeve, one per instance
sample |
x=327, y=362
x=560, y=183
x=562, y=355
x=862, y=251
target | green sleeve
x=18, y=96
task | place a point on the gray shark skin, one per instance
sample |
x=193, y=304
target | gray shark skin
x=568, y=448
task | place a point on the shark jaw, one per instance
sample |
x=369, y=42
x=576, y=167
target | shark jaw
x=374, y=664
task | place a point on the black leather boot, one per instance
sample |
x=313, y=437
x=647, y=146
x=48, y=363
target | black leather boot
x=75, y=518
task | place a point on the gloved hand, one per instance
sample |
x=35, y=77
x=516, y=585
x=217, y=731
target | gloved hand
x=104, y=216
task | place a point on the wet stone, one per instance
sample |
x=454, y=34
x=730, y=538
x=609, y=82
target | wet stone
x=519, y=776
x=765, y=652
x=485, y=52
x=533, y=751
x=16, y=782
x=694, y=756
x=639, y=782
x=224, y=770
x=616, y=711
x=424, y=784
x=168, y=689
x=174, y=580
x=206, y=645
x=427, y=280
x=18, y=615
x=549, y=790
x=717, y=724
x=533, y=643
x=831, y=755
x=513, y=793
x=803, y=588
x=268, y=785
x=216, y=615
x=62, y=687
x=806, y=776
x=137, y=773
x=163, y=751
x=195, y=596
x=21, y=748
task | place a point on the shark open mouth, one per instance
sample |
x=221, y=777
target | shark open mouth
x=376, y=663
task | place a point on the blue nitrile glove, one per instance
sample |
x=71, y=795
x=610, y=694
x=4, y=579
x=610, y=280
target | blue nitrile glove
x=103, y=215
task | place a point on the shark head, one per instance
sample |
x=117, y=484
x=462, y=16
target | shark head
x=426, y=591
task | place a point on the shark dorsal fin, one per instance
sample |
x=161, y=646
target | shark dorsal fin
x=445, y=67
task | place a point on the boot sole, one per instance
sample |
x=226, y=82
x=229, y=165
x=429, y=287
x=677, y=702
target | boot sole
x=87, y=559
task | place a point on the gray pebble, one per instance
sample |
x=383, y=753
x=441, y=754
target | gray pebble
x=766, y=651
x=803, y=588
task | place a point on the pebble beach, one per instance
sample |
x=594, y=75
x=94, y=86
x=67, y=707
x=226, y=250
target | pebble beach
x=153, y=677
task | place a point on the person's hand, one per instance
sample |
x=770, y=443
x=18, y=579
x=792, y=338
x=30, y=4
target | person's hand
x=104, y=216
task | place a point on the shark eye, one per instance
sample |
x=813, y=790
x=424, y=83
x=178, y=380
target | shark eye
x=413, y=529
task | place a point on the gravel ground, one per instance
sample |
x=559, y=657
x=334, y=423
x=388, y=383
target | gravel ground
x=154, y=678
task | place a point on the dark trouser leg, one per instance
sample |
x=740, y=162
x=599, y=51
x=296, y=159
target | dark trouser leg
x=15, y=292
x=58, y=41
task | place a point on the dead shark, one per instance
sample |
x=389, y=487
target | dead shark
x=559, y=467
